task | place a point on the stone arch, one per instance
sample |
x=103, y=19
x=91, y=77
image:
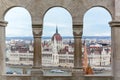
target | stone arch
x=6, y=5
x=54, y=7
x=107, y=25
x=14, y=7
x=107, y=12
x=64, y=9
x=18, y=12
x=107, y=9
x=38, y=6
x=58, y=12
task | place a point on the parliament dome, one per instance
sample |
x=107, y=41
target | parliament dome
x=57, y=36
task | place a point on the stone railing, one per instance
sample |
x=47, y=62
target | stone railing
x=98, y=77
x=28, y=77
x=58, y=78
x=16, y=77
x=54, y=76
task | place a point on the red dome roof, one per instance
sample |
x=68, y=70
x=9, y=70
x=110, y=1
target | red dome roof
x=57, y=36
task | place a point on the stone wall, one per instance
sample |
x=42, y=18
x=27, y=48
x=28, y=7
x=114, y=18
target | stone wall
x=57, y=78
x=77, y=9
x=28, y=77
x=38, y=8
x=92, y=77
x=16, y=77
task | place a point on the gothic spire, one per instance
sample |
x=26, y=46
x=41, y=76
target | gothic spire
x=56, y=29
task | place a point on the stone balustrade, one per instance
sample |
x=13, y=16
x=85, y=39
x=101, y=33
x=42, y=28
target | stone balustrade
x=16, y=77
x=98, y=77
x=28, y=77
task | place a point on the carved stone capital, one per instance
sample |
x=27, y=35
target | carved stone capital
x=3, y=23
x=114, y=23
x=37, y=30
x=77, y=30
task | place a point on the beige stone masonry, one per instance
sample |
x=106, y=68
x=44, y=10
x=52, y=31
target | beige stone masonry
x=2, y=47
x=37, y=33
x=77, y=32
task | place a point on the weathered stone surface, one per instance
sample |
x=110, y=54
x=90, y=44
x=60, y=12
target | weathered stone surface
x=38, y=8
x=77, y=9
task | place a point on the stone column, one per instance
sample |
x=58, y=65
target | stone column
x=116, y=10
x=37, y=32
x=3, y=24
x=77, y=72
x=77, y=31
x=37, y=73
x=115, y=39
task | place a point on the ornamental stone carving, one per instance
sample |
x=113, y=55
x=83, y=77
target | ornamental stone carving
x=3, y=23
x=114, y=23
x=37, y=30
x=77, y=30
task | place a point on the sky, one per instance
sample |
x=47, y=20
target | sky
x=95, y=22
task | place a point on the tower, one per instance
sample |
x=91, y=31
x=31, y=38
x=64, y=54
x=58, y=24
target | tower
x=57, y=44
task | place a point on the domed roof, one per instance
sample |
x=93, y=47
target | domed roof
x=57, y=36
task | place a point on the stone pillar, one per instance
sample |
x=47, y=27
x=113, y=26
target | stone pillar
x=3, y=24
x=77, y=72
x=37, y=32
x=116, y=10
x=37, y=73
x=77, y=31
x=24, y=70
x=115, y=31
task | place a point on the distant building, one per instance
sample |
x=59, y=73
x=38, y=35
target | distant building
x=54, y=52
x=58, y=52
x=99, y=55
x=19, y=53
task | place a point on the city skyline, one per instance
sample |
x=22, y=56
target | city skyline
x=22, y=26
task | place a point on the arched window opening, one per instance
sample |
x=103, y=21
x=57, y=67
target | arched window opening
x=97, y=36
x=19, y=42
x=57, y=38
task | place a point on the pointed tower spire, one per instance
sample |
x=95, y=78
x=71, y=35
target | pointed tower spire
x=85, y=57
x=56, y=29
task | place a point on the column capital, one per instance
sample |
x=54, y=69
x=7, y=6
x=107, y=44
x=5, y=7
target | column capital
x=77, y=30
x=3, y=23
x=78, y=23
x=114, y=23
x=36, y=25
x=37, y=30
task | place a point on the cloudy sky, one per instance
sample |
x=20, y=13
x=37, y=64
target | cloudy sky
x=95, y=22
